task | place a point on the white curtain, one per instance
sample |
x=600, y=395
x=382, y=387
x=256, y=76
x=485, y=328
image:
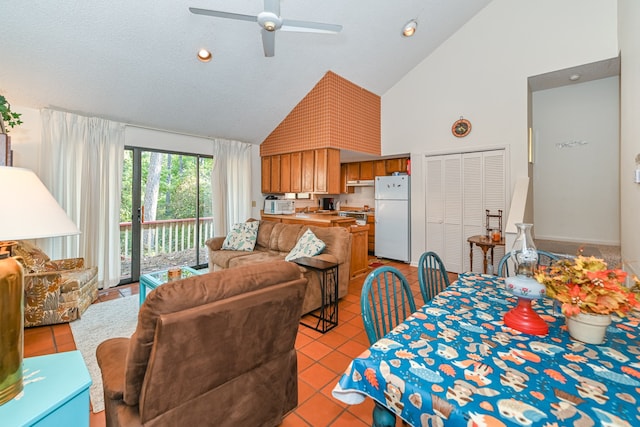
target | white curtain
x=81, y=164
x=230, y=184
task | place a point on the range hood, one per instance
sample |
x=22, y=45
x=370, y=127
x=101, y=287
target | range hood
x=361, y=183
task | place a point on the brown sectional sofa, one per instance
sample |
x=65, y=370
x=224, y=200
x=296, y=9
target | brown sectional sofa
x=275, y=240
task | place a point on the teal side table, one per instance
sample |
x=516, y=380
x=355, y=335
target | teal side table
x=149, y=282
x=56, y=393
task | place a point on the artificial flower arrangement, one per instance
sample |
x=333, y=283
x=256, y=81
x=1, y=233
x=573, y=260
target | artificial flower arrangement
x=585, y=285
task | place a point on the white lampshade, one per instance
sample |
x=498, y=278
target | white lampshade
x=28, y=210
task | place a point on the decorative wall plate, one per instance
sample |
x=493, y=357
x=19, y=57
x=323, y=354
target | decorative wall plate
x=461, y=127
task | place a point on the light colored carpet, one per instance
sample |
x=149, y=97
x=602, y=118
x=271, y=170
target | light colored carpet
x=109, y=319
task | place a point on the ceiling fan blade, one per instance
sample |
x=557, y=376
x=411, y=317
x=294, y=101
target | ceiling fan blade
x=272, y=6
x=269, y=42
x=220, y=14
x=309, y=27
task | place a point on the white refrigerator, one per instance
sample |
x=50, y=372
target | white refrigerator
x=393, y=238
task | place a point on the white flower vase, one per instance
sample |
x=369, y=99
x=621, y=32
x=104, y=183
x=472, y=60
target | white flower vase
x=588, y=328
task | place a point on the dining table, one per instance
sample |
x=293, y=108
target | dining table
x=454, y=363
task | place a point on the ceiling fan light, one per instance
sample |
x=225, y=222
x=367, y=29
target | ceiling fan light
x=410, y=28
x=270, y=26
x=204, y=55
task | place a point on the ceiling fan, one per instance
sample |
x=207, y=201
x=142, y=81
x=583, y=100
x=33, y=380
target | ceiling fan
x=270, y=21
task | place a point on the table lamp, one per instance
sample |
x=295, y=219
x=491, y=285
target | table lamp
x=524, y=255
x=29, y=211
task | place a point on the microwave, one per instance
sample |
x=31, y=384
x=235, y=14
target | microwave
x=279, y=207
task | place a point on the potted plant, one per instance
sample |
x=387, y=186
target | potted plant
x=8, y=117
x=589, y=293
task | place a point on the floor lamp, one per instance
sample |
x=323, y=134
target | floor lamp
x=28, y=211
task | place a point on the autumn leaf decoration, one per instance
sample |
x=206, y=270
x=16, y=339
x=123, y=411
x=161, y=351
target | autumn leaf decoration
x=370, y=375
x=585, y=285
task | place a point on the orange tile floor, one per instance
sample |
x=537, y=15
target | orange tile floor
x=321, y=357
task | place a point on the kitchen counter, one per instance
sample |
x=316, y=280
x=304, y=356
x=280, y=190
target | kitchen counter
x=321, y=219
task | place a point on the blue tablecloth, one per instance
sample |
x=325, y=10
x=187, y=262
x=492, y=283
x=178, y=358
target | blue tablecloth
x=454, y=363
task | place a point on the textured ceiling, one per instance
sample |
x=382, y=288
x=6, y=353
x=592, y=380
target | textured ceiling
x=135, y=61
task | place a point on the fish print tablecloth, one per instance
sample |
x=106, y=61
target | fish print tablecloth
x=455, y=363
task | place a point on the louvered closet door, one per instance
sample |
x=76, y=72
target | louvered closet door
x=459, y=187
x=474, y=214
x=434, y=204
x=484, y=188
x=494, y=182
x=444, y=209
x=453, y=213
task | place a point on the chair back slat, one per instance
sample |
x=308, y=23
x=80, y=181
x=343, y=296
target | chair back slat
x=386, y=301
x=432, y=275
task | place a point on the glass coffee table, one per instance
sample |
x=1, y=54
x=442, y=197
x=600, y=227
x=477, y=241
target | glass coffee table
x=150, y=281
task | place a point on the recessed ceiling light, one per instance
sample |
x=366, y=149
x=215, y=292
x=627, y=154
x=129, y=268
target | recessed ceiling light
x=574, y=77
x=204, y=55
x=410, y=28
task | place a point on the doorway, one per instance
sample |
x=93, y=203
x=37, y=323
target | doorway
x=574, y=119
x=166, y=211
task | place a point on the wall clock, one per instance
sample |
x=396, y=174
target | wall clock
x=461, y=127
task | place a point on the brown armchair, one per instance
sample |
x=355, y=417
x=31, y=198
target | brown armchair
x=216, y=349
x=55, y=291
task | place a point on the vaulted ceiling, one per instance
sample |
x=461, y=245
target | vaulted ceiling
x=135, y=61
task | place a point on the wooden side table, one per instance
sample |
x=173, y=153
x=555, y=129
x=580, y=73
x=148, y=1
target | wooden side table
x=485, y=243
x=327, y=314
x=56, y=393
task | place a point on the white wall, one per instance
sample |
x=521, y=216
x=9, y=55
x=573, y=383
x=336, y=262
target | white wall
x=25, y=139
x=629, y=34
x=576, y=187
x=481, y=73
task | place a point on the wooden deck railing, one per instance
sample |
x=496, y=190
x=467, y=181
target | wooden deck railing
x=166, y=236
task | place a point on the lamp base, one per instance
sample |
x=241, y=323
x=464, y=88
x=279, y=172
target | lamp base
x=524, y=319
x=12, y=327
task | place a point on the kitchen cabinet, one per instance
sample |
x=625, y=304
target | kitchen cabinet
x=275, y=174
x=285, y=173
x=327, y=171
x=296, y=172
x=371, y=222
x=396, y=165
x=266, y=174
x=307, y=171
x=353, y=171
x=366, y=170
x=359, y=253
x=311, y=171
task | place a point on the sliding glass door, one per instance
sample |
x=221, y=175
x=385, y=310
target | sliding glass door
x=165, y=211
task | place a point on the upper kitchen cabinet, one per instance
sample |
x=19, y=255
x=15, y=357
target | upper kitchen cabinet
x=366, y=170
x=395, y=165
x=327, y=171
x=275, y=175
x=296, y=172
x=266, y=174
x=308, y=166
x=353, y=171
x=379, y=168
x=285, y=173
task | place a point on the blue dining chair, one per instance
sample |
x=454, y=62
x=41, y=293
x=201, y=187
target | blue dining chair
x=386, y=301
x=432, y=276
x=544, y=258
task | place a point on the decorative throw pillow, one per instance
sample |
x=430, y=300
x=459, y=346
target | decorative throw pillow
x=34, y=259
x=242, y=237
x=307, y=245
